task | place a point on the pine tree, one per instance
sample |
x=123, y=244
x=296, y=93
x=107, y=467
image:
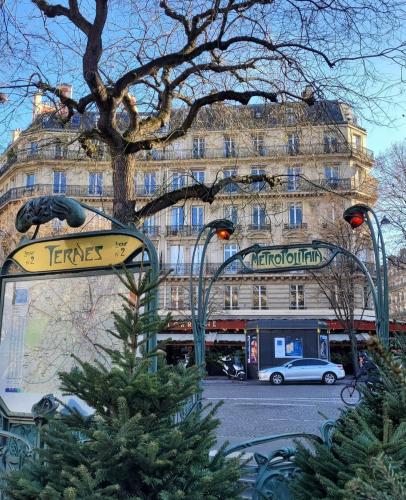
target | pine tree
x=367, y=459
x=133, y=447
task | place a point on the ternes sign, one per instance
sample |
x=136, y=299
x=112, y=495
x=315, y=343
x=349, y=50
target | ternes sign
x=289, y=257
x=80, y=252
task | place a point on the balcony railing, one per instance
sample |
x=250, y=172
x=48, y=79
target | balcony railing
x=151, y=230
x=182, y=230
x=248, y=152
x=48, y=189
x=183, y=269
x=284, y=185
x=292, y=226
x=259, y=227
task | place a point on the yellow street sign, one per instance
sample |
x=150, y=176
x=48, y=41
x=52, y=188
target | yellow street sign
x=77, y=253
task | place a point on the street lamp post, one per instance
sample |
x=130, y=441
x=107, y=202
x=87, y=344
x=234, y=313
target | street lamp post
x=223, y=228
x=356, y=215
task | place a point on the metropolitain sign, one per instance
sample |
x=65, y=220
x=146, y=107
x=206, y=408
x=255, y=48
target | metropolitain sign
x=274, y=258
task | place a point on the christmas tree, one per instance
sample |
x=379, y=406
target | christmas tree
x=134, y=446
x=367, y=458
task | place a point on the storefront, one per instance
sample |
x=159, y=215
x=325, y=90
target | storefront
x=222, y=337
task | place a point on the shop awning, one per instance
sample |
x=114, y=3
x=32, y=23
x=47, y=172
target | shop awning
x=210, y=337
x=343, y=337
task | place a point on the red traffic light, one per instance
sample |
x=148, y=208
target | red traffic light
x=356, y=220
x=223, y=234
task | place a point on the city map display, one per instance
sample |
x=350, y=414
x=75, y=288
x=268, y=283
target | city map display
x=45, y=321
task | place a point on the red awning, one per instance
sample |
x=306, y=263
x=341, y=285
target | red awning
x=363, y=325
x=213, y=324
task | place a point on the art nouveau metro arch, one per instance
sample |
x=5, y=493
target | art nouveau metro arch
x=264, y=259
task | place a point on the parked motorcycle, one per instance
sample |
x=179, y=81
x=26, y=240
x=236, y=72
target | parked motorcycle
x=232, y=368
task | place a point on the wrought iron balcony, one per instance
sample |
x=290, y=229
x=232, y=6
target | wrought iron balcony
x=259, y=227
x=291, y=226
x=249, y=152
x=49, y=154
x=182, y=230
x=151, y=230
x=183, y=269
x=49, y=189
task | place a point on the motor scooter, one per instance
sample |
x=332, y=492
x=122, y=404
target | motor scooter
x=232, y=368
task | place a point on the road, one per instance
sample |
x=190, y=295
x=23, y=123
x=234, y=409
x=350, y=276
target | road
x=253, y=409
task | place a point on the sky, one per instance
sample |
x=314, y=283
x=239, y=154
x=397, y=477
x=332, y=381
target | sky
x=380, y=137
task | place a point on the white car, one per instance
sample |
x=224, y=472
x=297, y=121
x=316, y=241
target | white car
x=303, y=369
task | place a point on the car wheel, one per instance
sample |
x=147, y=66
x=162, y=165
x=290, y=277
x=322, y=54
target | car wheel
x=276, y=378
x=329, y=378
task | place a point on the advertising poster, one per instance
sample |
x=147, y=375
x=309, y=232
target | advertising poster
x=252, y=357
x=293, y=347
x=280, y=347
x=288, y=347
x=323, y=346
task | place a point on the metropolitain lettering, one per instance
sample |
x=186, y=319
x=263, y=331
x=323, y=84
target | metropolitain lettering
x=287, y=257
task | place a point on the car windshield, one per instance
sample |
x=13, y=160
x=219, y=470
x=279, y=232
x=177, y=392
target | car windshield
x=289, y=362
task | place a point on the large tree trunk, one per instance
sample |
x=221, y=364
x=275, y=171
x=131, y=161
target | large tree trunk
x=123, y=167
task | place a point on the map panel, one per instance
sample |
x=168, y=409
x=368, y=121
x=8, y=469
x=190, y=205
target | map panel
x=47, y=321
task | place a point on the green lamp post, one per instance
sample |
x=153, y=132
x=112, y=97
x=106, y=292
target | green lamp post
x=223, y=229
x=356, y=215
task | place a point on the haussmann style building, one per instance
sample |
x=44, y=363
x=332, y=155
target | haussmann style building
x=318, y=152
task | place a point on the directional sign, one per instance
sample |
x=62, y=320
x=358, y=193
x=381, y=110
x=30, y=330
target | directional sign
x=80, y=252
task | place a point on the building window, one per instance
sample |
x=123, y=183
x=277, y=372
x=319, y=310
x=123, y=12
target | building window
x=293, y=146
x=230, y=249
x=232, y=187
x=149, y=183
x=178, y=180
x=290, y=116
x=198, y=258
x=295, y=215
x=95, y=183
x=61, y=151
x=230, y=151
x=34, y=149
x=198, y=176
x=198, y=150
x=59, y=182
x=330, y=143
x=331, y=175
x=177, y=262
x=177, y=218
x=258, y=217
x=296, y=297
x=258, y=144
x=231, y=213
x=367, y=297
x=259, y=297
x=150, y=226
x=294, y=178
x=197, y=217
x=357, y=142
x=258, y=186
x=177, y=297
x=29, y=180
x=230, y=297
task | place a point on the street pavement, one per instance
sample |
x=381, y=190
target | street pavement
x=252, y=409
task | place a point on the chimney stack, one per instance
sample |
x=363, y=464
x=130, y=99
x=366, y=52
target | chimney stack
x=36, y=105
x=65, y=89
x=15, y=134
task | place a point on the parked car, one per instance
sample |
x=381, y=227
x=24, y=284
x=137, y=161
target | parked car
x=303, y=369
